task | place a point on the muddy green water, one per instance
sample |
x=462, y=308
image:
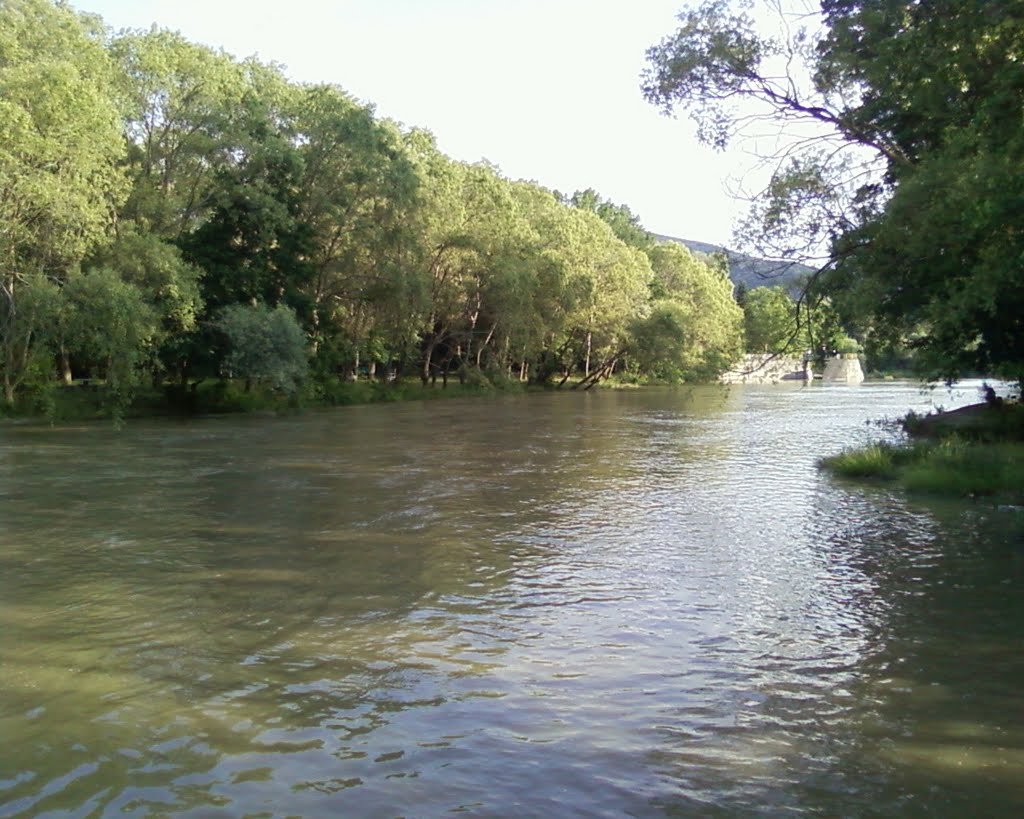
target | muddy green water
x=618, y=604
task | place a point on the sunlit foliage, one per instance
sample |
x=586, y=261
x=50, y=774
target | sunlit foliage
x=173, y=215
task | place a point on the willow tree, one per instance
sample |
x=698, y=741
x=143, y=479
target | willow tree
x=694, y=330
x=612, y=281
x=181, y=101
x=60, y=147
x=624, y=223
x=357, y=193
x=472, y=237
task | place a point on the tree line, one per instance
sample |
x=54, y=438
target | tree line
x=170, y=214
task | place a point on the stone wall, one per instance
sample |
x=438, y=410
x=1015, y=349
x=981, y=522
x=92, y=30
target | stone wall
x=766, y=368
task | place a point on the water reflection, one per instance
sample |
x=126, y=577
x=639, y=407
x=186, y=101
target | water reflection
x=603, y=604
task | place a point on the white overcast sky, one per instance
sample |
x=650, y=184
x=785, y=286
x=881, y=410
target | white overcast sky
x=547, y=90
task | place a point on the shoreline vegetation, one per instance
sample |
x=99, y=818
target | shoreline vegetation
x=174, y=216
x=94, y=401
x=91, y=402
x=974, y=451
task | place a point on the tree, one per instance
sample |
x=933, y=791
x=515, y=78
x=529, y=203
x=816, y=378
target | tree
x=549, y=287
x=358, y=193
x=624, y=223
x=60, y=144
x=611, y=285
x=913, y=174
x=265, y=345
x=737, y=78
x=253, y=246
x=108, y=325
x=938, y=263
x=168, y=284
x=29, y=335
x=476, y=280
x=769, y=321
x=694, y=329
x=182, y=101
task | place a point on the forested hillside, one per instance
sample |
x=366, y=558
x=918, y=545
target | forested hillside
x=750, y=271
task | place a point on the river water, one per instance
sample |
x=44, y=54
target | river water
x=639, y=603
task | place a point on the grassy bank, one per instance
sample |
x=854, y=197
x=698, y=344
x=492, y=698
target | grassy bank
x=88, y=402
x=975, y=451
x=91, y=401
x=952, y=467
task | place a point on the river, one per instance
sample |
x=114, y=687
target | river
x=633, y=603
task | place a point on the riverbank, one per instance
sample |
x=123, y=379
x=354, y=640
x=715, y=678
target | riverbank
x=87, y=402
x=969, y=452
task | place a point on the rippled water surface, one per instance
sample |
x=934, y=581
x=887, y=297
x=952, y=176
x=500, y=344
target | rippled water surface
x=637, y=603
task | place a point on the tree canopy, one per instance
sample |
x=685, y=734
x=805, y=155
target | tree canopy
x=171, y=214
x=61, y=176
x=910, y=172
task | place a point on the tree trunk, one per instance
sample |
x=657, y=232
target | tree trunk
x=314, y=347
x=65, y=367
x=481, y=347
x=602, y=372
x=428, y=354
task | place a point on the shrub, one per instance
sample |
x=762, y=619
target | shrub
x=847, y=346
x=266, y=345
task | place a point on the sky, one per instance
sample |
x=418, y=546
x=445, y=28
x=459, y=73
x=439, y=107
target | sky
x=547, y=90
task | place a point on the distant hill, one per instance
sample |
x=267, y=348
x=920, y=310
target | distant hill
x=750, y=271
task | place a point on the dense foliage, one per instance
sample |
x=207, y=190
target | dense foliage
x=172, y=215
x=908, y=164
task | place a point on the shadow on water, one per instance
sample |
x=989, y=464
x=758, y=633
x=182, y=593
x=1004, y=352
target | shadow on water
x=943, y=683
x=616, y=604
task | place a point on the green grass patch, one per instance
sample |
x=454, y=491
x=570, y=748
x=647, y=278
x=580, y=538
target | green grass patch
x=875, y=461
x=967, y=468
x=880, y=461
x=951, y=467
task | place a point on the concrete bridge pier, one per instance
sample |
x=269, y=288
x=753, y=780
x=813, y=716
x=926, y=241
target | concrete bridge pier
x=841, y=370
